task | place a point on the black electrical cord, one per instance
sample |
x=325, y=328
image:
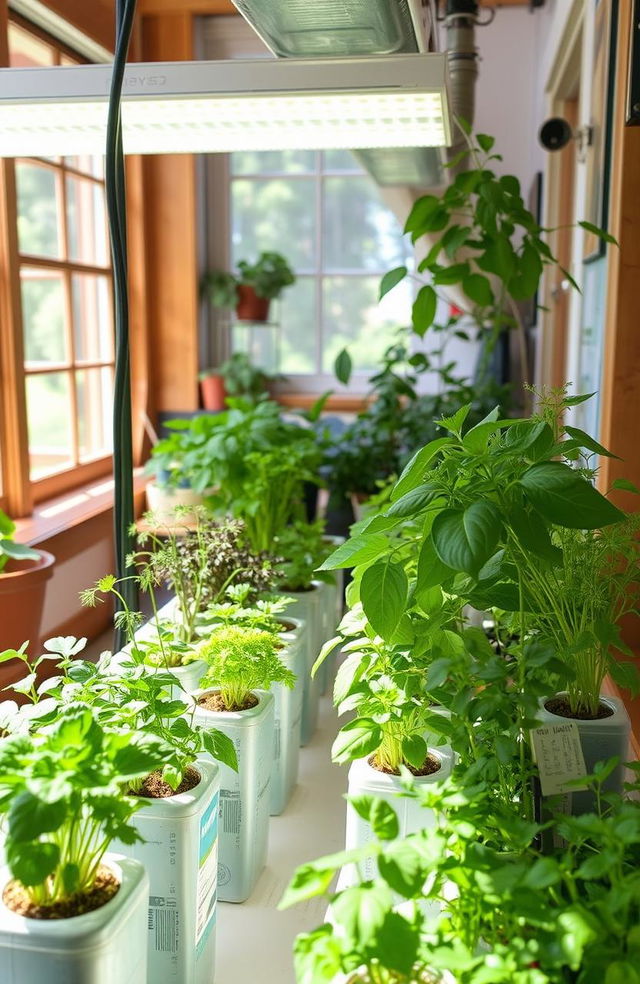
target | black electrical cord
x=123, y=513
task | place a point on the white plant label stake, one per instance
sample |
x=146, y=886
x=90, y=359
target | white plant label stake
x=557, y=751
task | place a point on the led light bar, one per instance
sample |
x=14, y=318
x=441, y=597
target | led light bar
x=206, y=107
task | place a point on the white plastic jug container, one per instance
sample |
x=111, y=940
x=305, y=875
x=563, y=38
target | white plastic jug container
x=180, y=854
x=307, y=608
x=245, y=796
x=601, y=739
x=288, y=718
x=99, y=947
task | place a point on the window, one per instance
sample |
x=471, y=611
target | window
x=327, y=217
x=65, y=291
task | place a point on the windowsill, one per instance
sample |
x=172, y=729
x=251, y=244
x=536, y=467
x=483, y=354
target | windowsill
x=352, y=403
x=54, y=516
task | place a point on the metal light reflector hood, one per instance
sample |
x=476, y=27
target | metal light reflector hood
x=295, y=28
x=312, y=28
x=203, y=107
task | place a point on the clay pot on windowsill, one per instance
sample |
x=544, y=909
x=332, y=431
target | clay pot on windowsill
x=213, y=392
x=22, y=592
x=250, y=306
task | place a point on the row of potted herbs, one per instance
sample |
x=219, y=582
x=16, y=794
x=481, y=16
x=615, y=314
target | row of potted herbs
x=167, y=752
x=511, y=854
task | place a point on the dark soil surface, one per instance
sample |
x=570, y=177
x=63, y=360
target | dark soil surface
x=213, y=702
x=154, y=786
x=106, y=886
x=560, y=706
x=430, y=765
x=286, y=626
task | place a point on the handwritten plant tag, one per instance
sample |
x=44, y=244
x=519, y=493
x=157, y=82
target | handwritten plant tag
x=558, y=754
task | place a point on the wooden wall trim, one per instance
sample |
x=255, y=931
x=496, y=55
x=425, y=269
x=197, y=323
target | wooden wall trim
x=620, y=392
x=170, y=204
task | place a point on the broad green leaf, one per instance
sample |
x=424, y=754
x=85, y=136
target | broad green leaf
x=32, y=863
x=391, y=279
x=542, y=873
x=532, y=532
x=378, y=813
x=317, y=956
x=29, y=817
x=586, y=441
x=342, y=366
x=360, y=912
x=414, y=750
x=624, y=485
x=478, y=288
x=414, y=501
x=451, y=274
x=402, y=866
x=307, y=882
x=8, y=654
x=485, y=142
x=397, y=944
x=356, y=739
x=578, y=928
x=476, y=438
x=383, y=593
x=360, y=549
x=431, y=570
x=626, y=675
x=142, y=755
x=7, y=525
x=574, y=401
x=18, y=551
x=414, y=470
x=424, y=310
x=437, y=673
x=420, y=212
x=465, y=540
x=349, y=672
x=220, y=747
x=564, y=497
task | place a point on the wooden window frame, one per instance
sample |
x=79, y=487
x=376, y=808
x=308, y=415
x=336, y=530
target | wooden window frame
x=18, y=490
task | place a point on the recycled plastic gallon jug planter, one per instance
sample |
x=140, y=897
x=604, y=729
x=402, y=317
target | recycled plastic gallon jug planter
x=180, y=854
x=365, y=780
x=105, y=946
x=245, y=795
x=601, y=739
x=189, y=677
x=307, y=608
x=288, y=717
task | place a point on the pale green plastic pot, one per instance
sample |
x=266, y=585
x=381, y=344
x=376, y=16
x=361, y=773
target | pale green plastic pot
x=180, y=854
x=245, y=796
x=288, y=718
x=105, y=946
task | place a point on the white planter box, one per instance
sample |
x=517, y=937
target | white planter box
x=307, y=607
x=180, y=854
x=601, y=740
x=106, y=946
x=363, y=779
x=288, y=719
x=245, y=796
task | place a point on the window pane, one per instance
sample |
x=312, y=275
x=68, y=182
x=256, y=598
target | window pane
x=360, y=232
x=92, y=325
x=341, y=160
x=353, y=317
x=39, y=218
x=94, y=391
x=276, y=214
x=88, y=164
x=43, y=315
x=86, y=227
x=298, y=331
x=27, y=51
x=273, y=162
x=50, y=423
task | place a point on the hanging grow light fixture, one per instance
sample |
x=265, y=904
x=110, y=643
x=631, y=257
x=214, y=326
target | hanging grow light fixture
x=203, y=107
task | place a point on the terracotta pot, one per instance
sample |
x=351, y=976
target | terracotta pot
x=250, y=307
x=213, y=392
x=22, y=590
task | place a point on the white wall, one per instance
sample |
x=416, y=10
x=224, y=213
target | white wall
x=509, y=94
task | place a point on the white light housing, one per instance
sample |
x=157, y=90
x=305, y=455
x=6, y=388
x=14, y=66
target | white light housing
x=205, y=107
